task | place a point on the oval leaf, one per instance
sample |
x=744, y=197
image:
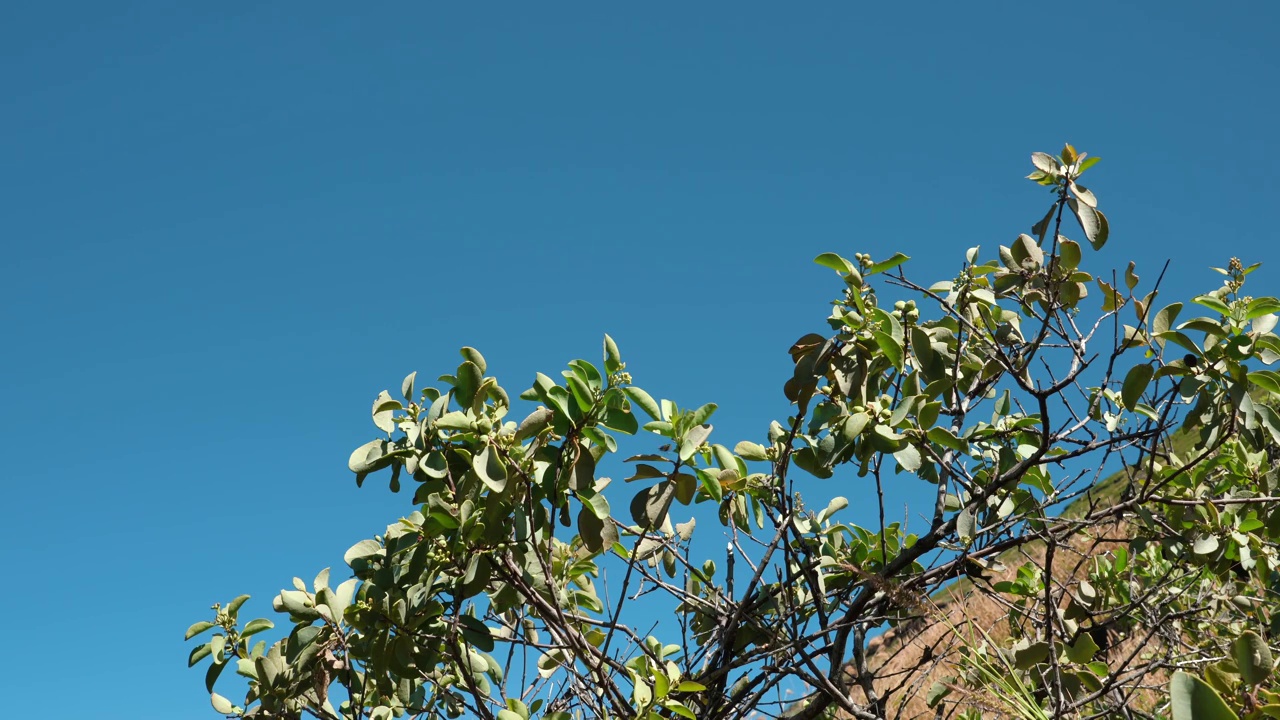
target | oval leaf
x=490, y=468
x=1135, y=383
x=693, y=439
x=221, y=704
x=1253, y=657
x=197, y=628
x=1192, y=699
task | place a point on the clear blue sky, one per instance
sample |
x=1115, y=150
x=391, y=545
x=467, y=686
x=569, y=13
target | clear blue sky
x=227, y=226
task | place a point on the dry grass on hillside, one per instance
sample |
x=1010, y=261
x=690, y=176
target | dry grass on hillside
x=909, y=659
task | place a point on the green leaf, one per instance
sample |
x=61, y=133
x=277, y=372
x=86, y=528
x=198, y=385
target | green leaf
x=966, y=525
x=479, y=571
x=474, y=357
x=1266, y=379
x=890, y=347
x=1069, y=254
x=884, y=439
x=1085, y=195
x=1083, y=650
x=1092, y=221
x=1045, y=163
x=467, y=383
x=646, y=403
x=685, y=530
x=680, y=709
x=1111, y=298
x=692, y=440
x=198, y=653
x=649, y=506
x=476, y=633
x=384, y=410
x=198, y=628
x=837, y=263
x=1205, y=544
x=1028, y=657
x=362, y=550
x=1261, y=306
x=1135, y=383
x=233, y=607
x=406, y=386
x=221, y=704
x=1192, y=699
x=520, y=709
x=711, y=483
x=1165, y=319
x=690, y=686
x=704, y=413
x=751, y=451
x=597, y=533
x=1253, y=658
x=490, y=468
x=641, y=693
x=908, y=457
x=534, y=423
x=661, y=685
x=853, y=426
x=581, y=392
x=612, y=358
x=368, y=457
x=1130, y=277
x=211, y=675
x=891, y=263
x=253, y=627
x=937, y=692
x=1025, y=248
x=1212, y=303
x=946, y=439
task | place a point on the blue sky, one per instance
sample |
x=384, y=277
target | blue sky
x=228, y=226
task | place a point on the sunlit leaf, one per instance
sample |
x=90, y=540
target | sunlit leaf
x=692, y=440
x=1135, y=383
x=198, y=628
x=884, y=265
x=1192, y=699
x=221, y=704
x=1253, y=658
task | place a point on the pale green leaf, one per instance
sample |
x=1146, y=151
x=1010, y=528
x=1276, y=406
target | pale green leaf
x=253, y=627
x=891, y=263
x=643, y=399
x=1205, y=544
x=1135, y=383
x=1092, y=221
x=1212, y=303
x=1192, y=699
x=692, y=440
x=751, y=451
x=908, y=457
x=384, y=410
x=835, y=262
x=221, y=704
x=1253, y=658
x=1045, y=163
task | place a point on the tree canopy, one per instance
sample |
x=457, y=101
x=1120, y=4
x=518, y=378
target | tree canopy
x=1027, y=383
